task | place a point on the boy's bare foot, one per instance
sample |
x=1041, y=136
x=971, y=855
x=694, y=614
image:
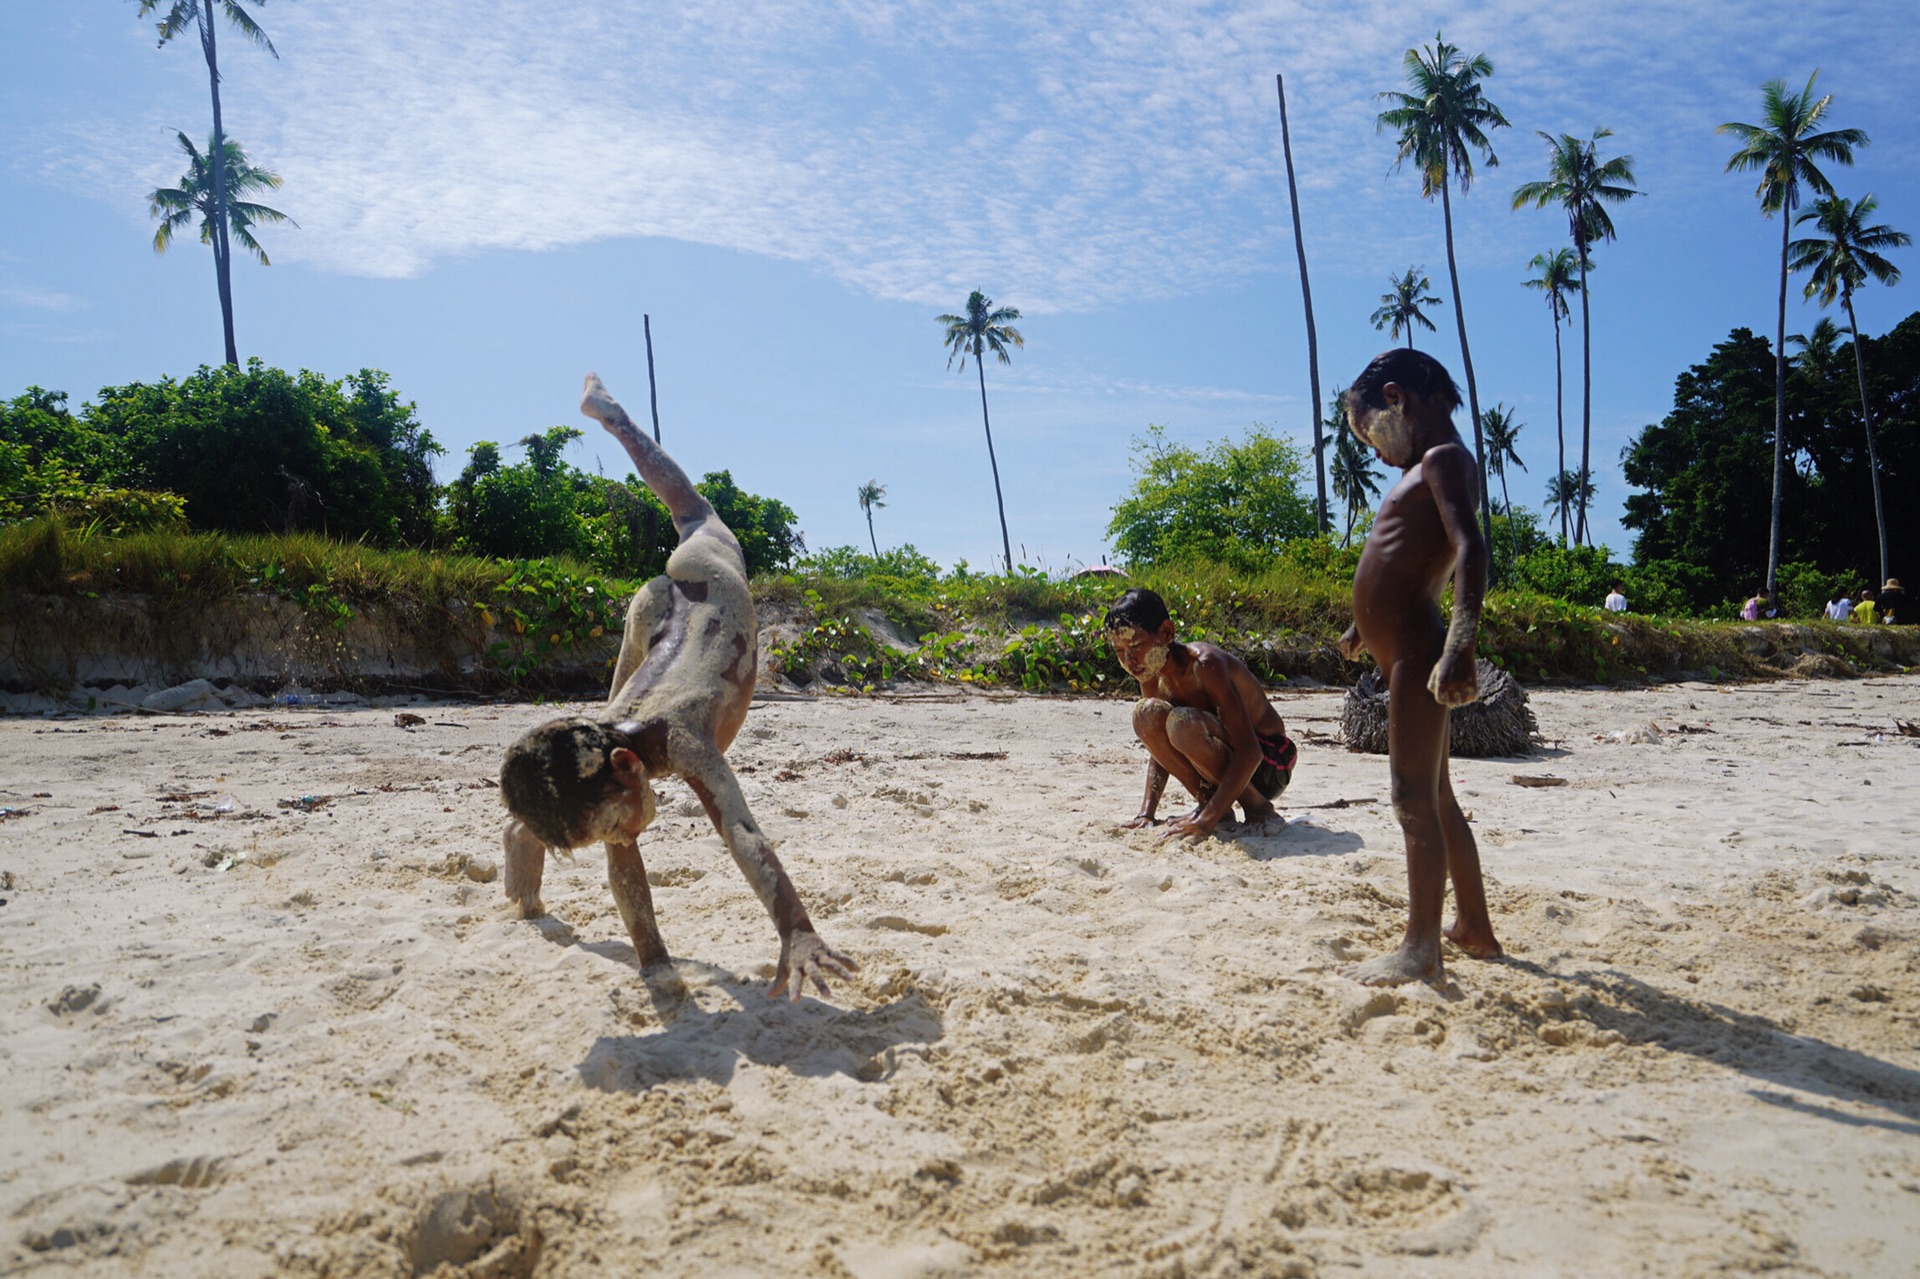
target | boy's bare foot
x=1478, y=942
x=1258, y=814
x=1408, y=964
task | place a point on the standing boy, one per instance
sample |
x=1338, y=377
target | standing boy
x=1402, y=408
x=1203, y=719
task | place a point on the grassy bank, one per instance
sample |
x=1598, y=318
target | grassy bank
x=1025, y=631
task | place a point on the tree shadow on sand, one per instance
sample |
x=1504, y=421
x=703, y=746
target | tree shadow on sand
x=1754, y=1045
x=809, y=1038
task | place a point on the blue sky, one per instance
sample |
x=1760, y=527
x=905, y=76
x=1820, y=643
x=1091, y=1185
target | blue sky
x=491, y=194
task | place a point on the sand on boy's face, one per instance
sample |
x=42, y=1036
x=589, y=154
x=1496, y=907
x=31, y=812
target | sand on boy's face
x=256, y=1039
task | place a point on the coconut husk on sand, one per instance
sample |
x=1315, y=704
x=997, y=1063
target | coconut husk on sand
x=1498, y=723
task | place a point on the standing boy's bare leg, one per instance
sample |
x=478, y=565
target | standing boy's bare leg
x=1472, y=927
x=1416, y=751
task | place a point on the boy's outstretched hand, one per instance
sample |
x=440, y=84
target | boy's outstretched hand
x=1350, y=646
x=803, y=958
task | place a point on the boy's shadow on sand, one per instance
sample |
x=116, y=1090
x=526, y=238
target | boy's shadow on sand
x=1299, y=838
x=1753, y=1045
x=809, y=1038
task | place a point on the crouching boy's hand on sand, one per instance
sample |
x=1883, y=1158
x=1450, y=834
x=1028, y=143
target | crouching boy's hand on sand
x=803, y=958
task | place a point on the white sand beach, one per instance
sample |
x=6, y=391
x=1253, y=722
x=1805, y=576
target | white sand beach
x=264, y=1015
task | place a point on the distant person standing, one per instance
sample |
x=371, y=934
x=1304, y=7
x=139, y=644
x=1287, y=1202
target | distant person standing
x=1893, y=603
x=1864, y=612
x=1616, y=599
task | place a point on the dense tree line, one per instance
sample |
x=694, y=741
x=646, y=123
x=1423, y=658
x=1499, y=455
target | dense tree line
x=1706, y=469
x=260, y=450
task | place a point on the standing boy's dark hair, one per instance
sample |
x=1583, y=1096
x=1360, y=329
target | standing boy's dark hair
x=1139, y=608
x=1415, y=371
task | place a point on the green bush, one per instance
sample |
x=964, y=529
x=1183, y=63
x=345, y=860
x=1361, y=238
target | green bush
x=1228, y=503
x=1577, y=574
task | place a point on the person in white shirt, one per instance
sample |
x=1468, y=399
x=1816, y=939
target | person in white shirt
x=1616, y=600
x=1839, y=608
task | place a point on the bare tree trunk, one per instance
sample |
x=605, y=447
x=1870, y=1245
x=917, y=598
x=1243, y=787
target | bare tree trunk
x=1866, y=415
x=653, y=396
x=870, y=537
x=1306, y=294
x=1780, y=408
x=1582, y=536
x=222, y=249
x=1559, y=411
x=1466, y=358
x=1513, y=532
x=1006, y=544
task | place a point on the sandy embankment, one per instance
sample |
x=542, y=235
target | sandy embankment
x=305, y=1040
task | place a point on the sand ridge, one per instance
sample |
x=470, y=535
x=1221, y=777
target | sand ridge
x=270, y=1015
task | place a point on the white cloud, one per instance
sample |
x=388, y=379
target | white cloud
x=29, y=298
x=1069, y=155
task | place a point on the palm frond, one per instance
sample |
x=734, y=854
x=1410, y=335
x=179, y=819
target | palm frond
x=243, y=22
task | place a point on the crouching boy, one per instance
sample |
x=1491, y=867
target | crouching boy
x=1203, y=718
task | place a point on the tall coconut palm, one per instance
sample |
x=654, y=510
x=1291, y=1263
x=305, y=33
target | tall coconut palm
x=1306, y=296
x=1556, y=280
x=985, y=328
x=1441, y=122
x=1784, y=149
x=1503, y=433
x=1845, y=255
x=1400, y=305
x=181, y=14
x=1356, y=483
x=870, y=494
x=176, y=206
x=1584, y=185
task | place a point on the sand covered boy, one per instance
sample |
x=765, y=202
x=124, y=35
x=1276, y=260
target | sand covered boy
x=681, y=688
x=1203, y=718
x=1402, y=408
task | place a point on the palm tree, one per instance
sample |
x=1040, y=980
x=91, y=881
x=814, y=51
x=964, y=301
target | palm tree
x=1440, y=124
x=199, y=14
x=176, y=206
x=1355, y=481
x=984, y=328
x=1819, y=350
x=1400, y=305
x=1502, y=434
x=1584, y=185
x=870, y=494
x=1568, y=490
x=1783, y=150
x=1306, y=296
x=1844, y=256
x=1556, y=268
